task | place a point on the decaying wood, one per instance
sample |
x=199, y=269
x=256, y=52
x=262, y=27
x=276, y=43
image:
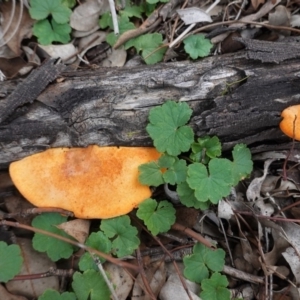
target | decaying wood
x=237, y=99
x=29, y=89
x=272, y=51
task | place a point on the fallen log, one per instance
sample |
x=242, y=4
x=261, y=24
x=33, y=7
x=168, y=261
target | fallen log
x=237, y=99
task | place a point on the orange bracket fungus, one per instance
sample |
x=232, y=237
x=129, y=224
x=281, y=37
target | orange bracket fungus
x=92, y=182
x=290, y=125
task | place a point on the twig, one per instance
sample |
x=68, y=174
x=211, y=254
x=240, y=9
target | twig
x=130, y=34
x=101, y=270
x=37, y=210
x=284, y=176
x=244, y=22
x=243, y=275
x=144, y=276
x=170, y=255
x=247, y=213
x=226, y=241
x=193, y=234
x=49, y=273
x=114, y=16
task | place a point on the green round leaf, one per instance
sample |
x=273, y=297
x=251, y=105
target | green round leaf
x=52, y=294
x=213, y=185
x=90, y=285
x=203, y=260
x=187, y=197
x=167, y=128
x=123, y=235
x=151, y=174
x=98, y=241
x=242, y=162
x=150, y=46
x=158, y=217
x=56, y=249
x=10, y=261
x=54, y=32
x=197, y=46
x=214, y=288
x=176, y=173
x=41, y=9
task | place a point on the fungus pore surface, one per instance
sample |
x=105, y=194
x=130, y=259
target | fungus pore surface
x=92, y=182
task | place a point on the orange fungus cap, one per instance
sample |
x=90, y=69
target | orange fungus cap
x=290, y=125
x=92, y=182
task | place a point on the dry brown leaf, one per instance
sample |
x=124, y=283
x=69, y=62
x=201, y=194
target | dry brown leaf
x=66, y=52
x=192, y=15
x=121, y=280
x=116, y=58
x=254, y=188
x=86, y=16
x=280, y=17
x=11, y=67
x=78, y=229
x=173, y=288
x=34, y=263
x=5, y=295
x=88, y=42
x=156, y=277
x=23, y=30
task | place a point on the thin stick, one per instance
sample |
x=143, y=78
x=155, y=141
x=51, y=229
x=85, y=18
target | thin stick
x=101, y=270
x=244, y=22
x=114, y=16
x=193, y=234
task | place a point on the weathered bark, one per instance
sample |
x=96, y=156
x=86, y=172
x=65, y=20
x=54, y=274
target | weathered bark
x=237, y=99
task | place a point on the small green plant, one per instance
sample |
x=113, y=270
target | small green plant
x=201, y=177
x=99, y=241
x=117, y=237
x=150, y=46
x=10, y=261
x=58, y=28
x=207, y=178
x=197, y=46
x=54, y=248
x=158, y=217
x=168, y=128
x=203, y=263
x=123, y=235
x=52, y=25
x=214, y=288
x=90, y=285
x=123, y=22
